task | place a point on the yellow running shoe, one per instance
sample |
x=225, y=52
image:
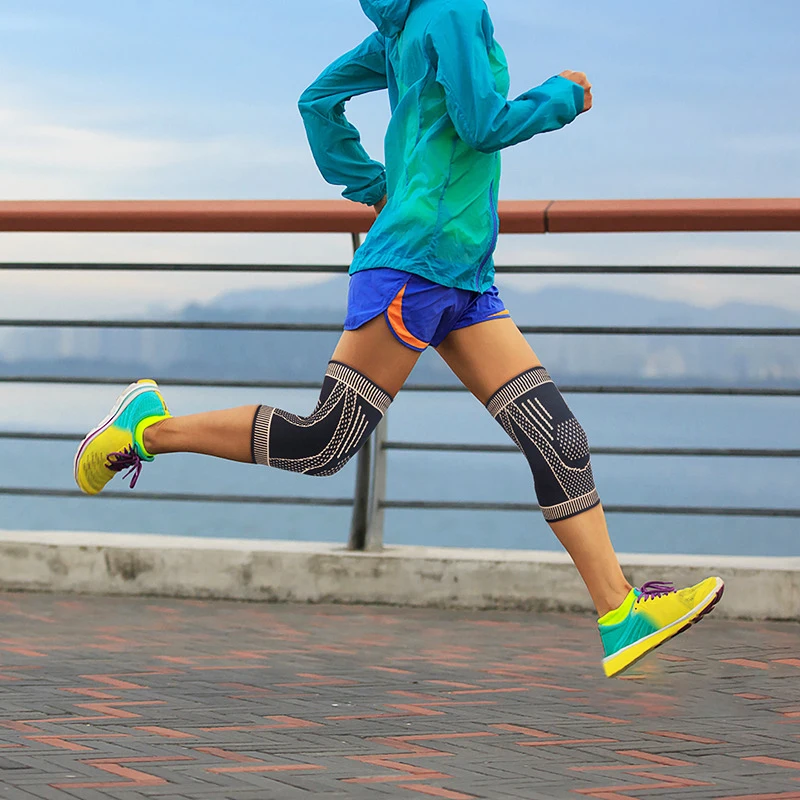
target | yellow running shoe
x=116, y=445
x=650, y=616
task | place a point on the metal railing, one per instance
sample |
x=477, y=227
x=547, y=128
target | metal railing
x=369, y=501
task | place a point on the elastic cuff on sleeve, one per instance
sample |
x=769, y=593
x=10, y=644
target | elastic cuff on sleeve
x=568, y=90
x=369, y=195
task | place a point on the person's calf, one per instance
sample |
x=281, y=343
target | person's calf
x=223, y=434
x=535, y=415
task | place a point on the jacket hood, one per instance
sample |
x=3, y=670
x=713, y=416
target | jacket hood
x=389, y=16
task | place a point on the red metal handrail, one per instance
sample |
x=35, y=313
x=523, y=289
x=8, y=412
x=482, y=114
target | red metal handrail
x=341, y=216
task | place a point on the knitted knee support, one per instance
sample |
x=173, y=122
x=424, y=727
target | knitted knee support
x=349, y=409
x=534, y=414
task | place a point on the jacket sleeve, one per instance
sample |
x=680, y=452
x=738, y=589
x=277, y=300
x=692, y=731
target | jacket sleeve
x=459, y=39
x=335, y=142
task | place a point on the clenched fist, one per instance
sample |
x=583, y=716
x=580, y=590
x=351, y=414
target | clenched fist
x=581, y=79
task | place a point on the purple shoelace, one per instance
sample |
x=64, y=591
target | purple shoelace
x=129, y=460
x=655, y=589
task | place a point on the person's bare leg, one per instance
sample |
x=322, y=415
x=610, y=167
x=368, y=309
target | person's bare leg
x=487, y=356
x=372, y=350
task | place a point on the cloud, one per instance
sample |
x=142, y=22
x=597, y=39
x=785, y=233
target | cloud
x=53, y=153
x=28, y=142
x=42, y=157
x=52, y=150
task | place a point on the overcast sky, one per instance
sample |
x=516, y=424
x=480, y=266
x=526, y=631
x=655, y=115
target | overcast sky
x=197, y=99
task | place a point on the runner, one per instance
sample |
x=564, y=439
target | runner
x=425, y=278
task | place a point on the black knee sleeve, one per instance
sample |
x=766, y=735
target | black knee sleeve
x=534, y=414
x=349, y=409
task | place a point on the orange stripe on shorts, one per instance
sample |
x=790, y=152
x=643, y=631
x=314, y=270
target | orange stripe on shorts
x=395, y=316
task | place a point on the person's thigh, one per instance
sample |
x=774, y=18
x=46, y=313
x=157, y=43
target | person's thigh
x=374, y=351
x=488, y=355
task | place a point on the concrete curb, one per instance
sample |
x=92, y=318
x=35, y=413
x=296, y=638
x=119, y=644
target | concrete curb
x=276, y=571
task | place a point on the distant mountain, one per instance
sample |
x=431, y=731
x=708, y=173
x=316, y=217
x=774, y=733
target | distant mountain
x=549, y=306
x=302, y=356
x=330, y=295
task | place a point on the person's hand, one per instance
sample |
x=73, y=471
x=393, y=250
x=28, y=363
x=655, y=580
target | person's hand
x=581, y=79
x=380, y=205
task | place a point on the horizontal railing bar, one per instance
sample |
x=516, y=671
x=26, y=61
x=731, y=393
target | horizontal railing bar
x=39, y=436
x=342, y=268
x=542, y=330
x=340, y=216
x=724, y=391
x=341, y=502
x=701, y=511
x=658, y=216
x=441, y=447
x=203, y=216
x=157, y=325
x=179, y=497
x=721, y=391
x=714, y=452
x=180, y=382
x=647, y=330
x=113, y=267
x=642, y=270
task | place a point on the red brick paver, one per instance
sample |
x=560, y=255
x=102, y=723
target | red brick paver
x=182, y=700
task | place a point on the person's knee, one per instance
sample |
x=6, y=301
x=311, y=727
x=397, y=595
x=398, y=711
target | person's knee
x=535, y=415
x=350, y=407
x=320, y=445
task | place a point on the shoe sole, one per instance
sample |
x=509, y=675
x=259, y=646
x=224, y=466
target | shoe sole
x=132, y=392
x=655, y=640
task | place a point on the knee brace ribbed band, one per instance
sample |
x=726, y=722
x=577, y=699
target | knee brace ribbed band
x=514, y=389
x=534, y=414
x=349, y=409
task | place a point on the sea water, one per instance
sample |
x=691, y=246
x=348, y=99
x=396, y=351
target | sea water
x=662, y=421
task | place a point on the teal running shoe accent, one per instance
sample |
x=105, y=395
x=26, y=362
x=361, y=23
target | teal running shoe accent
x=651, y=616
x=116, y=444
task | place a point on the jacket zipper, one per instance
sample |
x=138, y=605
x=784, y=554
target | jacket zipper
x=493, y=244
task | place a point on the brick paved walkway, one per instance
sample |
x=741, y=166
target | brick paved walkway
x=177, y=700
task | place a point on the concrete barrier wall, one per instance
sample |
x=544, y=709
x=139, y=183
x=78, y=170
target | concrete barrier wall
x=275, y=571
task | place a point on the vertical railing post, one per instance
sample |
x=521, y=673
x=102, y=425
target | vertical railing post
x=366, y=524
x=359, y=522
x=361, y=493
x=374, y=538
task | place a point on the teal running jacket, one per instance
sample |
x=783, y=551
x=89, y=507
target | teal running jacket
x=448, y=86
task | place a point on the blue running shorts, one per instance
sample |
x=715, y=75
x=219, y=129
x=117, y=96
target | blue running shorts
x=419, y=313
